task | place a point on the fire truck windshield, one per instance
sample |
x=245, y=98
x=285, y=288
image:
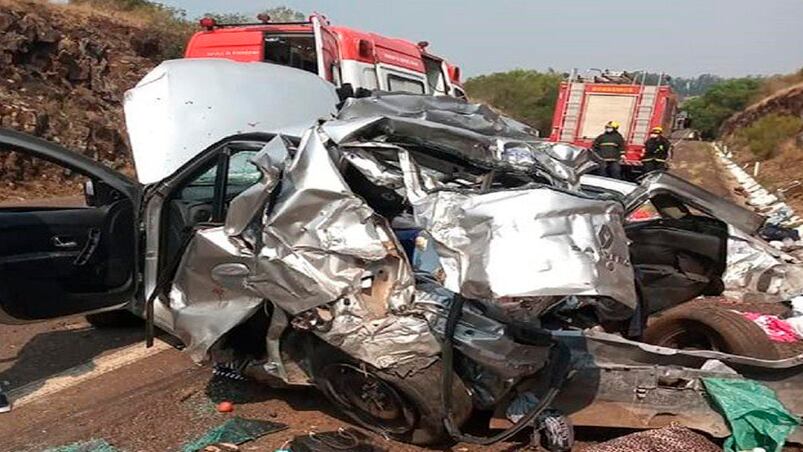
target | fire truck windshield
x=294, y=50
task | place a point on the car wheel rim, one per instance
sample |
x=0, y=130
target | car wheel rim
x=369, y=399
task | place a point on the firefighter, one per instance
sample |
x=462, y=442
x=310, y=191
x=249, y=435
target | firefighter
x=610, y=147
x=656, y=151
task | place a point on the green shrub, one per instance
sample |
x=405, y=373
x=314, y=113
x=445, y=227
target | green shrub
x=722, y=100
x=764, y=136
x=526, y=95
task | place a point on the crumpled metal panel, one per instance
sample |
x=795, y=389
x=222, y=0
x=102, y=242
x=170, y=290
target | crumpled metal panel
x=468, y=131
x=210, y=295
x=756, y=267
x=246, y=207
x=319, y=243
x=716, y=206
x=320, y=240
x=623, y=383
x=383, y=340
x=525, y=242
x=448, y=111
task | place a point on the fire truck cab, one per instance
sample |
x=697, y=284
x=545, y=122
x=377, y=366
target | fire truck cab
x=585, y=103
x=340, y=55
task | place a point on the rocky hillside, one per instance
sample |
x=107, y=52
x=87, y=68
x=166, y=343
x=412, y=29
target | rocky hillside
x=771, y=132
x=785, y=102
x=63, y=72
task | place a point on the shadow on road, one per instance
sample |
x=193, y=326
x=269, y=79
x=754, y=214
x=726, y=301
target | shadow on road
x=52, y=352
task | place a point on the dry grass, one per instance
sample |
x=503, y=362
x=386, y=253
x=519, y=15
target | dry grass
x=80, y=11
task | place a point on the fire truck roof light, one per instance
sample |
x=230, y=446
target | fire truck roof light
x=366, y=48
x=264, y=18
x=423, y=44
x=207, y=22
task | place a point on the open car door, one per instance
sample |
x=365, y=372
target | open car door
x=76, y=253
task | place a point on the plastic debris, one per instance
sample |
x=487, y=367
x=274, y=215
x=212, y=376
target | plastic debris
x=772, y=232
x=755, y=416
x=777, y=330
x=93, y=445
x=234, y=431
x=225, y=407
x=797, y=306
x=520, y=406
x=221, y=447
x=715, y=365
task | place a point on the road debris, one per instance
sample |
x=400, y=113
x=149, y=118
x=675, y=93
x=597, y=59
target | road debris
x=757, y=418
x=337, y=441
x=93, y=445
x=777, y=330
x=234, y=431
x=225, y=407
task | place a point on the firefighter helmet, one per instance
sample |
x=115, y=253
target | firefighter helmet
x=612, y=124
x=657, y=129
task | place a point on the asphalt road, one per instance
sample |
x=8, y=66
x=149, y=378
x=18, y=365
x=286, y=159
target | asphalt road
x=75, y=383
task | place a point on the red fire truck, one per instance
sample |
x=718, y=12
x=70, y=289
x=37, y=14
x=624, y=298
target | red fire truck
x=586, y=103
x=338, y=54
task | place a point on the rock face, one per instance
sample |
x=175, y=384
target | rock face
x=787, y=102
x=63, y=72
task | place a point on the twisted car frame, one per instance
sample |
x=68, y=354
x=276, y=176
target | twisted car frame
x=416, y=258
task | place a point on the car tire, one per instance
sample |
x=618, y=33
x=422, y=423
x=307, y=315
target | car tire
x=419, y=397
x=113, y=319
x=709, y=327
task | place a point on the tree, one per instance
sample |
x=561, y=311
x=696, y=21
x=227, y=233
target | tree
x=276, y=14
x=284, y=14
x=526, y=95
x=230, y=18
x=722, y=100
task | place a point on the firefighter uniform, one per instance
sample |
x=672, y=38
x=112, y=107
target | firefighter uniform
x=656, y=152
x=610, y=146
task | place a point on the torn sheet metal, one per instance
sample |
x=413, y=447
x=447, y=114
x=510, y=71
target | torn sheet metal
x=755, y=267
x=525, y=242
x=184, y=106
x=210, y=295
x=320, y=241
x=455, y=128
x=384, y=340
x=729, y=212
x=248, y=206
x=623, y=383
x=448, y=111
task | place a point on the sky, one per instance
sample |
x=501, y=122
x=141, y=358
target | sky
x=681, y=37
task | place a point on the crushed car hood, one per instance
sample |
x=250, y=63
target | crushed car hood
x=183, y=106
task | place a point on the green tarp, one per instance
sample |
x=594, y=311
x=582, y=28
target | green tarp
x=235, y=431
x=756, y=417
x=93, y=445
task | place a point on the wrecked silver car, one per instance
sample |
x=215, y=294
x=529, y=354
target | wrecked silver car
x=416, y=258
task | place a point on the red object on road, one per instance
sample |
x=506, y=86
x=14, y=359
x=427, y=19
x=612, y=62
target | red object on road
x=225, y=407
